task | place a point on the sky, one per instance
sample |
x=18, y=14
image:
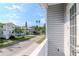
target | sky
x=19, y=13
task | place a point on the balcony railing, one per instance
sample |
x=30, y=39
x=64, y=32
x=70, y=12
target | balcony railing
x=41, y=50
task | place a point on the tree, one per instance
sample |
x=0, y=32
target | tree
x=26, y=24
x=18, y=30
x=38, y=22
x=25, y=30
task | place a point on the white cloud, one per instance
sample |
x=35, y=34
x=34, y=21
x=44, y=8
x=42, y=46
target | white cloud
x=13, y=7
x=11, y=15
x=7, y=7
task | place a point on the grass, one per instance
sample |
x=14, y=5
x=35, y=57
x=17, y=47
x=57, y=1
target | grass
x=8, y=42
x=41, y=40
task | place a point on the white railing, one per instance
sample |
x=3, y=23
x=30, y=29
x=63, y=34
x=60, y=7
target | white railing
x=41, y=50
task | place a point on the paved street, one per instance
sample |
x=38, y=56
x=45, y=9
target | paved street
x=23, y=48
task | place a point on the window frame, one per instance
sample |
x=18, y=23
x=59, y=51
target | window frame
x=73, y=30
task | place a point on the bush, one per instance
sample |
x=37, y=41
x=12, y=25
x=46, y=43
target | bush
x=12, y=37
x=1, y=41
x=2, y=38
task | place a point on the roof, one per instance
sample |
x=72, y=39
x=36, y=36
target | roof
x=1, y=24
x=9, y=23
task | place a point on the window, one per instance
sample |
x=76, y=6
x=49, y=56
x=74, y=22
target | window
x=73, y=30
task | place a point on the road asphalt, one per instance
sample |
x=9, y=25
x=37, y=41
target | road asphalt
x=24, y=48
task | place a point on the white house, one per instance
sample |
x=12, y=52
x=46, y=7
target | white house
x=6, y=30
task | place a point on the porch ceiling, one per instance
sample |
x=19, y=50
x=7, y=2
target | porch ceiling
x=45, y=5
x=53, y=4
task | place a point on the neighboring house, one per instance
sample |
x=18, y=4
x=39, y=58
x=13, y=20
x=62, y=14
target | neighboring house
x=31, y=30
x=6, y=30
x=1, y=30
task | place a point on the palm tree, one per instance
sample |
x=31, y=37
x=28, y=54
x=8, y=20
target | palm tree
x=26, y=24
x=38, y=22
x=37, y=26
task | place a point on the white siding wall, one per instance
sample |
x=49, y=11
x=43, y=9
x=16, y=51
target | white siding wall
x=67, y=29
x=54, y=24
x=55, y=29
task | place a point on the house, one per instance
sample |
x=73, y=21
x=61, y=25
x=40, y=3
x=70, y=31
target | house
x=31, y=30
x=6, y=30
x=62, y=30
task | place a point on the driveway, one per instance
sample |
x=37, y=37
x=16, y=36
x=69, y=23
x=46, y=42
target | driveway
x=20, y=49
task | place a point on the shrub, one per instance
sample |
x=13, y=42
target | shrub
x=2, y=38
x=12, y=37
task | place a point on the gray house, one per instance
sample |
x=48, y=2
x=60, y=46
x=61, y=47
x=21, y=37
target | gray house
x=62, y=30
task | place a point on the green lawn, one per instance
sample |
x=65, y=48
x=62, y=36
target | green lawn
x=17, y=39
